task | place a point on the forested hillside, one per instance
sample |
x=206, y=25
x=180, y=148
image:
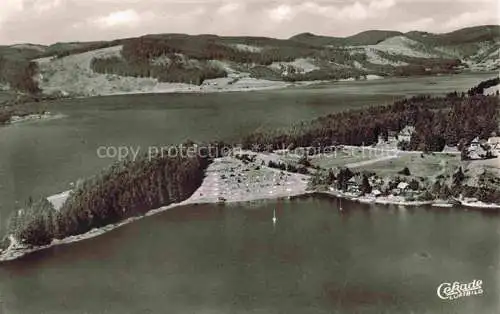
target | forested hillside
x=197, y=58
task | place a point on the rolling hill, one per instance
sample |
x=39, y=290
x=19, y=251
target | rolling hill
x=162, y=62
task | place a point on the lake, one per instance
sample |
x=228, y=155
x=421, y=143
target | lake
x=212, y=259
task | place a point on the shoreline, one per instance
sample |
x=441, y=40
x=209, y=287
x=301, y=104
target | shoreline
x=34, y=118
x=396, y=200
x=381, y=200
x=212, y=86
x=206, y=89
x=16, y=251
x=176, y=88
x=209, y=192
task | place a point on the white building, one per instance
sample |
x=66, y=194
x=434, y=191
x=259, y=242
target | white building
x=402, y=186
x=406, y=133
x=475, y=143
x=494, y=141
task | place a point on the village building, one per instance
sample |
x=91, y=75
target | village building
x=406, y=133
x=494, y=143
x=375, y=181
x=475, y=143
x=400, y=189
x=476, y=149
x=494, y=140
x=353, y=186
x=403, y=186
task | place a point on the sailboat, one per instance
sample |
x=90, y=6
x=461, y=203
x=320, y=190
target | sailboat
x=340, y=206
x=274, y=217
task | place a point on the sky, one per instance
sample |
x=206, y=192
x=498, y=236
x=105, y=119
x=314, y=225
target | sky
x=51, y=21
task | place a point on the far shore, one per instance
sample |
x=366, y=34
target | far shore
x=180, y=88
x=34, y=117
x=395, y=200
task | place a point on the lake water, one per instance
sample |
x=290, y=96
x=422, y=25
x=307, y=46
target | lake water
x=212, y=259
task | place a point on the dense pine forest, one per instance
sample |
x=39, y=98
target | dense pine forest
x=173, y=72
x=18, y=74
x=125, y=190
x=479, y=89
x=438, y=121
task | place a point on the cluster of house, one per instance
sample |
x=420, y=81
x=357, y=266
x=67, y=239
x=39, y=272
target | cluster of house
x=397, y=137
x=478, y=149
x=378, y=185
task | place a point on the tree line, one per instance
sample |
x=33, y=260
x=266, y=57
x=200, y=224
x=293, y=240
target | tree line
x=19, y=74
x=173, y=71
x=438, y=121
x=479, y=89
x=124, y=190
x=208, y=48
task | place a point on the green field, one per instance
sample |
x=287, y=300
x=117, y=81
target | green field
x=420, y=165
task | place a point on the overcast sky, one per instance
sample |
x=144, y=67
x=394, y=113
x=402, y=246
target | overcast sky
x=50, y=21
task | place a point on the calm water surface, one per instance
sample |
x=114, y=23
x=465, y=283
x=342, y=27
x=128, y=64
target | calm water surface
x=210, y=259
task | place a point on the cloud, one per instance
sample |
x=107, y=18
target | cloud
x=355, y=11
x=422, y=24
x=281, y=13
x=49, y=21
x=41, y=6
x=10, y=7
x=228, y=8
x=471, y=18
x=381, y=4
x=118, y=18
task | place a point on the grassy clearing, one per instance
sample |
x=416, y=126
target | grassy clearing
x=420, y=165
x=342, y=158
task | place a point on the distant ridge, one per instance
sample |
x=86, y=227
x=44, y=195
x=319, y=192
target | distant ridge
x=241, y=62
x=373, y=37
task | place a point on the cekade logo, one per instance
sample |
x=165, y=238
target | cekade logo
x=456, y=290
